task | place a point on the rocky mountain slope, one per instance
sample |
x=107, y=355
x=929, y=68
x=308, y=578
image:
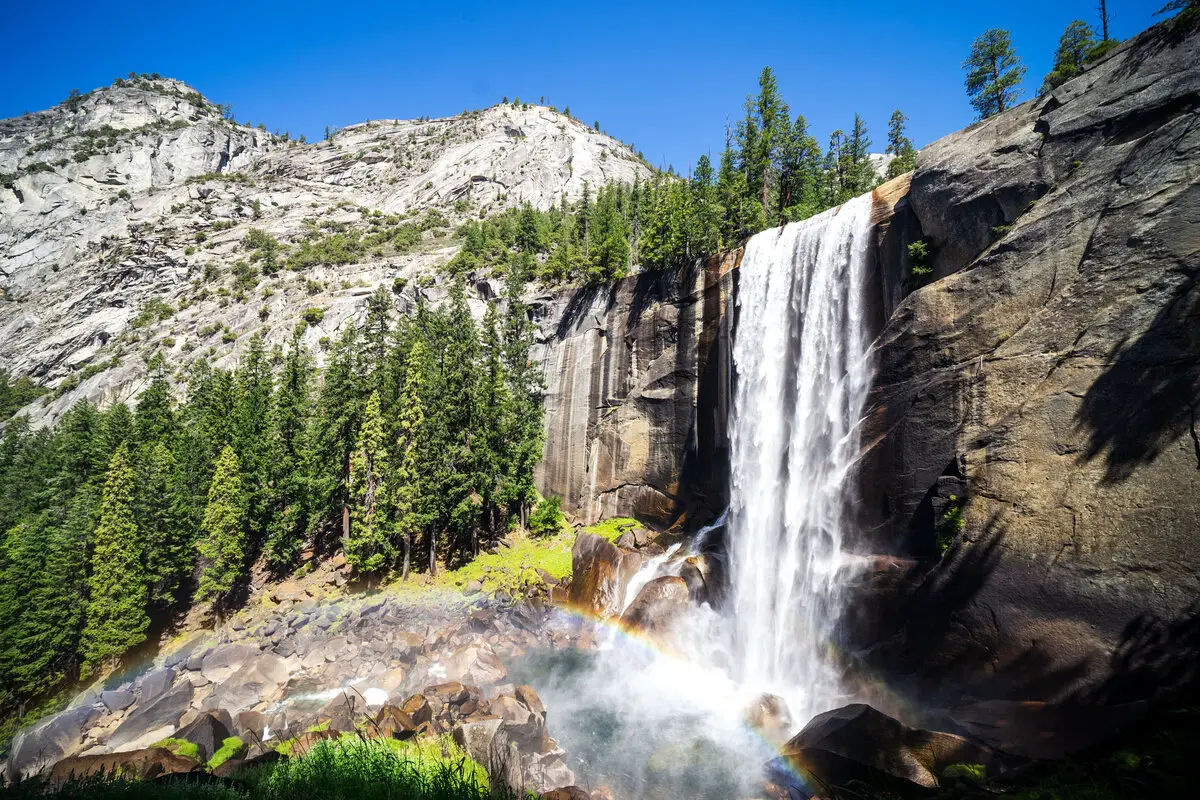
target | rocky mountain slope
x=124, y=215
x=1043, y=391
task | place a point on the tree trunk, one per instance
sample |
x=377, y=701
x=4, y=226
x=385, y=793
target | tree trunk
x=407, y=553
x=432, y=553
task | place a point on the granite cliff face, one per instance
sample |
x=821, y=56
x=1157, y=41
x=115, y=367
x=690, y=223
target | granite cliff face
x=143, y=193
x=1046, y=384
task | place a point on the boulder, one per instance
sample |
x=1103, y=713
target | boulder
x=600, y=571
x=657, y=606
x=117, y=699
x=476, y=664
x=260, y=679
x=857, y=742
x=163, y=712
x=225, y=660
x=207, y=732
x=475, y=737
x=392, y=722
x=417, y=708
x=146, y=764
x=35, y=749
x=154, y=683
x=567, y=793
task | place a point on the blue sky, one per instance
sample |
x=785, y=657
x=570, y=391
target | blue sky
x=663, y=76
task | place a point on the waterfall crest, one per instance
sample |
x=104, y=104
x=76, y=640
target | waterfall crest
x=801, y=355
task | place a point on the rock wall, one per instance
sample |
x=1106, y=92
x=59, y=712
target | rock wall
x=636, y=382
x=1048, y=379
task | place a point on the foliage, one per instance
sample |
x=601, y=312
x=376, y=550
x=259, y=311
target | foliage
x=613, y=527
x=117, y=593
x=950, y=525
x=16, y=393
x=547, y=518
x=1077, y=42
x=222, y=543
x=180, y=747
x=900, y=146
x=231, y=747
x=994, y=73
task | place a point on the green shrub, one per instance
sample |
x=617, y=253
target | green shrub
x=313, y=315
x=950, y=525
x=548, y=518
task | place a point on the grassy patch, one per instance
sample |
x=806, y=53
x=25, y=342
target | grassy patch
x=612, y=529
x=230, y=748
x=180, y=747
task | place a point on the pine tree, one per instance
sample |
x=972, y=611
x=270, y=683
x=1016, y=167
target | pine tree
x=290, y=428
x=116, y=610
x=252, y=437
x=410, y=475
x=1073, y=48
x=369, y=548
x=222, y=544
x=993, y=73
x=900, y=146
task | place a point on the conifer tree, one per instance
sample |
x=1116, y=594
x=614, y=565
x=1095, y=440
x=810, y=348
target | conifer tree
x=900, y=146
x=410, y=475
x=993, y=73
x=116, y=609
x=369, y=548
x=222, y=544
x=1073, y=48
x=292, y=465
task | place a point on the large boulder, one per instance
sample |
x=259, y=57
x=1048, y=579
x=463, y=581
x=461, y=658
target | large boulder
x=1044, y=730
x=858, y=743
x=146, y=764
x=207, y=731
x=36, y=748
x=476, y=664
x=600, y=572
x=225, y=660
x=657, y=606
x=260, y=679
x=1044, y=388
x=154, y=683
x=152, y=721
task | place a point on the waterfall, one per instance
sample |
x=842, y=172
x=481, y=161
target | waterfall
x=801, y=356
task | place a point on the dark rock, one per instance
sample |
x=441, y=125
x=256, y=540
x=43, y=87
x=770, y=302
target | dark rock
x=142, y=764
x=1044, y=730
x=1051, y=371
x=858, y=743
x=254, y=722
x=117, y=699
x=207, y=732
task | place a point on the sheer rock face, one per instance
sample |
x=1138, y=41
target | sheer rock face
x=133, y=192
x=1049, y=379
x=637, y=378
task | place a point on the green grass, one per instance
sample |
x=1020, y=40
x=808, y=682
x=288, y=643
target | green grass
x=509, y=569
x=350, y=768
x=612, y=529
x=230, y=748
x=180, y=747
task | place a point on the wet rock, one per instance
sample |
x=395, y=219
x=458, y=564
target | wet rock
x=770, y=716
x=163, y=712
x=253, y=722
x=146, y=764
x=567, y=793
x=657, y=606
x=392, y=722
x=600, y=573
x=858, y=743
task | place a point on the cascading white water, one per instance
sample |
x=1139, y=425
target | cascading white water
x=803, y=373
x=801, y=345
